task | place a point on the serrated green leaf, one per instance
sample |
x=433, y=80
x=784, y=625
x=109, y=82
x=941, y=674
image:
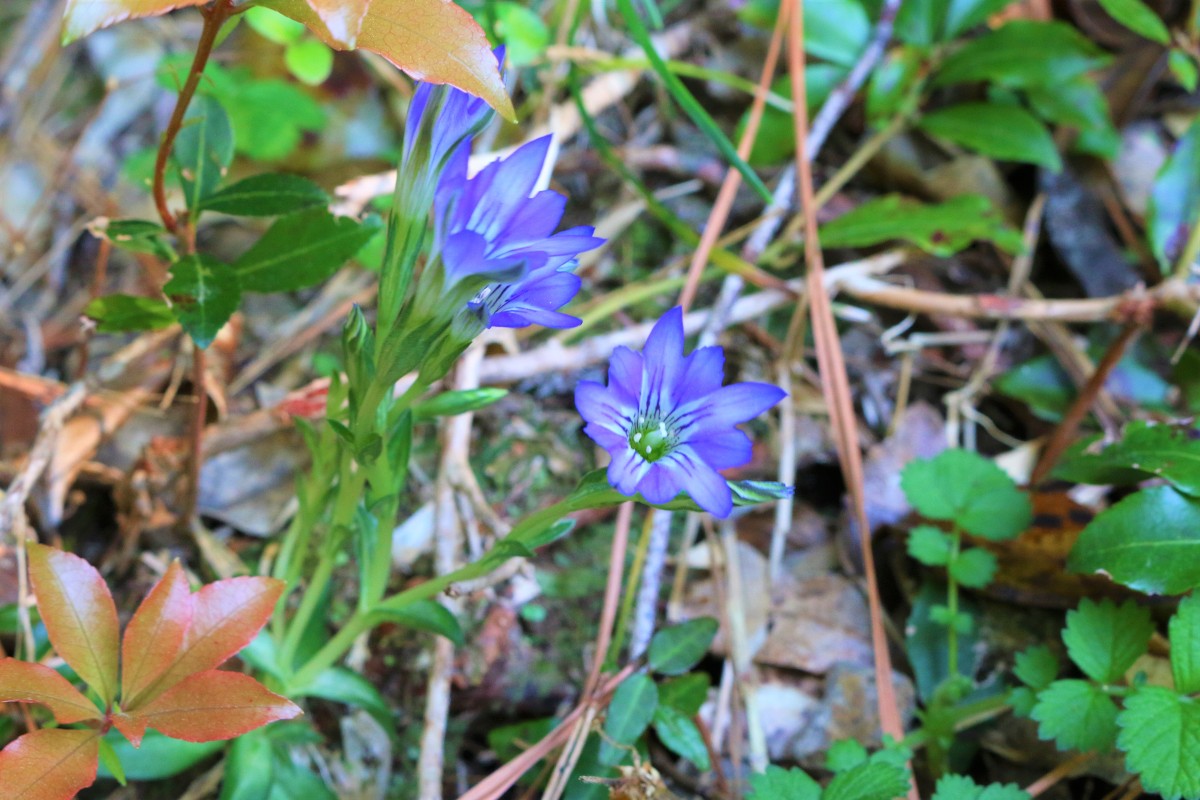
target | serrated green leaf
x=302, y=249
x=1023, y=53
x=965, y=488
x=268, y=195
x=1184, y=631
x=676, y=649
x=203, y=149
x=929, y=545
x=1104, y=639
x=686, y=693
x=1036, y=667
x=118, y=313
x=1137, y=17
x=1162, y=451
x=1175, y=199
x=681, y=736
x=974, y=568
x=778, y=783
x=845, y=754
x=941, y=229
x=1077, y=715
x=960, y=787
x=1160, y=734
x=1005, y=132
x=873, y=780
x=1149, y=541
x=629, y=714
x=204, y=293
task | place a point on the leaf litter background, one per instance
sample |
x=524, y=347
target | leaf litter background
x=80, y=125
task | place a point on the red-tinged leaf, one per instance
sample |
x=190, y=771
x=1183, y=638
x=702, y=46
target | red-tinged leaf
x=85, y=16
x=435, y=41
x=155, y=635
x=133, y=728
x=226, y=616
x=52, y=764
x=80, y=615
x=214, y=705
x=343, y=19
x=23, y=682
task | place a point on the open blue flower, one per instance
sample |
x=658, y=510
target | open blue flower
x=534, y=300
x=495, y=224
x=667, y=421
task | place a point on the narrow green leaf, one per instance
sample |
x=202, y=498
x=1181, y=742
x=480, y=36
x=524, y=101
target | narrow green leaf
x=1104, y=639
x=942, y=229
x=302, y=249
x=1184, y=631
x=137, y=236
x=203, y=149
x=1174, y=206
x=426, y=615
x=1144, y=451
x=249, y=768
x=448, y=404
x=1139, y=18
x=675, y=650
x=1023, y=53
x=1077, y=715
x=204, y=293
x=681, y=736
x=962, y=15
x=629, y=714
x=1000, y=131
x=118, y=313
x=268, y=195
x=108, y=757
x=1160, y=734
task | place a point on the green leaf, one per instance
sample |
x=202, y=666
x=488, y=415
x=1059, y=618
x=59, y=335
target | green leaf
x=836, y=30
x=274, y=26
x=686, y=693
x=1036, y=667
x=1023, y=53
x=890, y=90
x=108, y=757
x=267, y=195
x=301, y=250
x=960, y=787
x=1078, y=102
x=1184, y=632
x=1183, y=67
x=426, y=615
x=522, y=31
x=310, y=60
x=159, y=757
x=968, y=490
x=137, y=236
x=1076, y=715
x=874, y=780
x=1149, y=541
x=118, y=313
x=778, y=783
x=204, y=293
x=845, y=754
x=681, y=736
x=974, y=568
x=629, y=714
x=942, y=229
x=675, y=650
x=1000, y=131
x=1104, y=639
x=776, y=139
x=249, y=768
x=1160, y=734
x=342, y=685
x=1137, y=17
x=1144, y=451
x=919, y=22
x=925, y=642
x=1175, y=199
x=961, y=15
x=929, y=545
x=203, y=149
x=448, y=404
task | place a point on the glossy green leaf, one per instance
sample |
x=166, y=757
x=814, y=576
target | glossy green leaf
x=1174, y=206
x=1036, y=667
x=1160, y=734
x=267, y=195
x=1104, y=639
x=301, y=250
x=425, y=615
x=1144, y=451
x=1023, y=53
x=685, y=693
x=1000, y=131
x=203, y=149
x=274, y=26
x=629, y=714
x=1137, y=17
x=681, y=736
x=968, y=490
x=1184, y=632
x=1183, y=68
x=121, y=313
x=678, y=648
x=962, y=15
x=1077, y=715
x=448, y=404
x=941, y=229
x=1149, y=541
x=778, y=783
x=204, y=294
x=929, y=545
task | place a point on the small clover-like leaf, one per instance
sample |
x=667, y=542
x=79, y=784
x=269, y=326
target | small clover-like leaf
x=974, y=568
x=23, y=682
x=1104, y=639
x=929, y=545
x=50, y=764
x=1160, y=734
x=965, y=488
x=79, y=615
x=1036, y=667
x=1076, y=715
x=778, y=783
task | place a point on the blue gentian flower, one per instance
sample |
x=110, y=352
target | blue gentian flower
x=667, y=421
x=460, y=115
x=495, y=224
x=534, y=300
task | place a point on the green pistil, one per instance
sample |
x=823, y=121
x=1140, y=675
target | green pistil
x=651, y=440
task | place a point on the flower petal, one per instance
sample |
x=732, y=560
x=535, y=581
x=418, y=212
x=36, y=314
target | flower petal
x=626, y=471
x=625, y=371
x=731, y=448
x=728, y=406
x=599, y=405
x=702, y=374
x=702, y=483
x=661, y=483
x=509, y=184
x=663, y=356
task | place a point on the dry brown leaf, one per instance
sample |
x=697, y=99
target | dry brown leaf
x=85, y=16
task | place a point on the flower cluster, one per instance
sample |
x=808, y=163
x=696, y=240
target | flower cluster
x=667, y=421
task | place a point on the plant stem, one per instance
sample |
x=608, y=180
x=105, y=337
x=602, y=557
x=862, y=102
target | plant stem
x=196, y=458
x=1191, y=252
x=952, y=607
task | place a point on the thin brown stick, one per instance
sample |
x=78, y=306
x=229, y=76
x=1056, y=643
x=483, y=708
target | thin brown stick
x=835, y=383
x=187, y=511
x=1064, y=770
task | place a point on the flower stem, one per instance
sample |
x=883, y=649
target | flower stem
x=952, y=607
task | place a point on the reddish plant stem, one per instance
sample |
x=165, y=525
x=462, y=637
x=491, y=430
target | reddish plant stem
x=196, y=458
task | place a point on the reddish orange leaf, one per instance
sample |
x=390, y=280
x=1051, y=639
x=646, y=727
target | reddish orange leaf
x=85, y=16
x=22, y=682
x=80, y=615
x=433, y=40
x=132, y=728
x=343, y=19
x=155, y=635
x=226, y=615
x=213, y=705
x=52, y=764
